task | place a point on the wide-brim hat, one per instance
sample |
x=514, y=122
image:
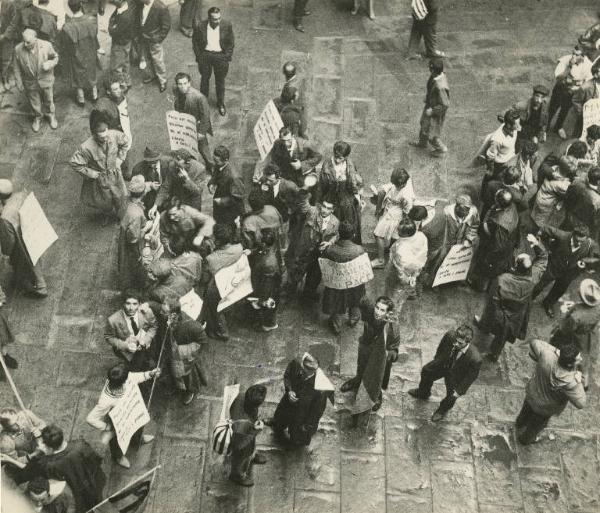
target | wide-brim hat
x=589, y=291
x=151, y=155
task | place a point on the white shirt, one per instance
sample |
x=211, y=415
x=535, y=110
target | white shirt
x=122, y=9
x=501, y=146
x=124, y=119
x=213, y=38
x=146, y=10
x=326, y=221
x=579, y=73
x=340, y=170
x=276, y=189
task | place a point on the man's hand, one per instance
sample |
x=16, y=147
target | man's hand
x=324, y=245
x=152, y=212
x=154, y=185
x=217, y=201
x=155, y=373
x=392, y=356
x=212, y=188
x=201, y=137
x=118, y=163
x=467, y=243
x=183, y=174
x=132, y=347
x=259, y=425
x=292, y=396
x=296, y=164
x=455, y=394
x=429, y=112
x=533, y=241
x=94, y=174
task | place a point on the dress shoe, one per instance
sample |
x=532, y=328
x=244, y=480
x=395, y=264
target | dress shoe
x=39, y=291
x=123, y=462
x=53, y=122
x=146, y=439
x=266, y=329
x=348, y=386
x=188, y=398
x=241, y=480
x=217, y=336
x=490, y=357
x=186, y=32
x=36, y=124
x=222, y=110
x=415, y=57
x=377, y=405
x=549, y=310
x=162, y=87
x=333, y=326
x=437, y=416
x=269, y=422
x=307, y=12
x=10, y=362
x=299, y=27
x=377, y=263
x=147, y=80
x=414, y=392
x=436, y=53
x=259, y=459
x=94, y=96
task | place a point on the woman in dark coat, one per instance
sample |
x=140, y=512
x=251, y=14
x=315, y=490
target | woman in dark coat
x=340, y=183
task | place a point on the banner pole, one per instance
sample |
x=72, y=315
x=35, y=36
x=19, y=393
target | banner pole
x=131, y=483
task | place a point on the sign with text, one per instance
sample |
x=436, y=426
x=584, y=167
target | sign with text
x=37, y=231
x=591, y=115
x=182, y=131
x=233, y=282
x=455, y=266
x=129, y=415
x=342, y=276
x=266, y=130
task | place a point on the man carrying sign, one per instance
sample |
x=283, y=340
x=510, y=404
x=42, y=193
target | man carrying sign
x=119, y=381
x=27, y=275
x=338, y=302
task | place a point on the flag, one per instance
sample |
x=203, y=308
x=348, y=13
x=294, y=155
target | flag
x=130, y=499
x=419, y=9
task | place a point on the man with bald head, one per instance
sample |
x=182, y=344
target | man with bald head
x=506, y=312
x=35, y=60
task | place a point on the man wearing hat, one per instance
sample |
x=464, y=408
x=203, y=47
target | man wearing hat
x=153, y=168
x=579, y=325
x=304, y=400
x=98, y=159
x=534, y=116
x=27, y=275
x=133, y=226
x=569, y=254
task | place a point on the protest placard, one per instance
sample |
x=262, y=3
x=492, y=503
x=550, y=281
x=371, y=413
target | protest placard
x=233, y=283
x=129, y=415
x=182, y=131
x=455, y=266
x=37, y=231
x=346, y=275
x=266, y=129
x=591, y=115
x=191, y=304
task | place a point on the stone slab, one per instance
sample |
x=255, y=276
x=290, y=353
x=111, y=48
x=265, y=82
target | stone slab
x=543, y=490
x=453, y=487
x=308, y=502
x=363, y=483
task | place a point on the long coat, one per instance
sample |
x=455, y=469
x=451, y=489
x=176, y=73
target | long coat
x=131, y=244
x=302, y=417
x=35, y=76
x=78, y=43
x=437, y=99
x=108, y=191
x=337, y=301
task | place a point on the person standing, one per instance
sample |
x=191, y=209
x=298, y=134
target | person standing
x=118, y=383
x=28, y=276
x=300, y=11
x=377, y=350
x=534, y=117
x=437, y=101
x=133, y=226
x=155, y=24
x=456, y=360
x=78, y=42
x=339, y=302
x=98, y=159
x=500, y=146
x=122, y=27
x=424, y=25
x=246, y=426
x=191, y=101
x=8, y=10
x=153, y=168
x=213, y=42
x=35, y=60
x=506, y=311
x=303, y=403
x=190, y=15
x=227, y=187
x=554, y=384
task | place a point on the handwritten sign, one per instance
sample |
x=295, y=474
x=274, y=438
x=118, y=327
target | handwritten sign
x=233, y=282
x=342, y=276
x=455, y=266
x=129, y=415
x=266, y=130
x=191, y=304
x=591, y=115
x=182, y=131
x=37, y=231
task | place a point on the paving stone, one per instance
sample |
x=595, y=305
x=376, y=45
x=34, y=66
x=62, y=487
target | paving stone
x=543, y=490
x=261, y=87
x=40, y=157
x=401, y=503
x=324, y=132
x=363, y=483
x=327, y=56
x=73, y=333
x=224, y=497
x=359, y=120
x=327, y=93
x=544, y=454
x=309, y=501
x=445, y=442
x=495, y=459
x=504, y=404
x=274, y=484
x=367, y=437
x=359, y=75
x=84, y=370
x=453, y=487
x=60, y=410
x=268, y=15
x=191, y=421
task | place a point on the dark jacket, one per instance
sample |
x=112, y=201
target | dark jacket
x=562, y=259
x=123, y=27
x=188, y=190
x=465, y=370
x=196, y=104
x=534, y=122
x=158, y=22
x=109, y=110
x=230, y=189
x=226, y=39
x=285, y=201
x=308, y=156
x=27, y=16
x=582, y=205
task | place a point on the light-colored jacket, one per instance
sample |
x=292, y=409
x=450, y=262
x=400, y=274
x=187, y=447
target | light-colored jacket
x=35, y=75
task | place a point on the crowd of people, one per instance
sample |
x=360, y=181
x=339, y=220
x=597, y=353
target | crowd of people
x=534, y=223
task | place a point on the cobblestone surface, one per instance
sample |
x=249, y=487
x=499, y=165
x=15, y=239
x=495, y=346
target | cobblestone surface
x=359, y=87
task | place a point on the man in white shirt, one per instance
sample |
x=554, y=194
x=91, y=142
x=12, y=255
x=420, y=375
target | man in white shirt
x=570, y=73
x=501, y=144
x=155, y=24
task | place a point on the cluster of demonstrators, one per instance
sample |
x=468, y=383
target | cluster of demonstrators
x=291, y=234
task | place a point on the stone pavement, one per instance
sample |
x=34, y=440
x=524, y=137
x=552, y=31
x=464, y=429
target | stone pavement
x=362, y=89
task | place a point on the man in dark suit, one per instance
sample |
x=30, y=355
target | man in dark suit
x=153, y=168
x=155, y=24
x=279, y=192
x=122, y=27
x=300, y=11
x=458, y=362
x=213, y=43
x=425, y=18
x=570, y=253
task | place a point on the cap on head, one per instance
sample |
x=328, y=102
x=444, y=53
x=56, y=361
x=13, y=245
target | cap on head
x=540, y=89
x=137, y=185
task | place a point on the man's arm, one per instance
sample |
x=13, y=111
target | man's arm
x=231, y=43
x=442, y=107
x=393, y=339
x=79, y=162
x=150, y=331
x=576, y=393
x=164, y=24
x=540, y=263
x=111, y=336
x=122, y=145
x=52, y=60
